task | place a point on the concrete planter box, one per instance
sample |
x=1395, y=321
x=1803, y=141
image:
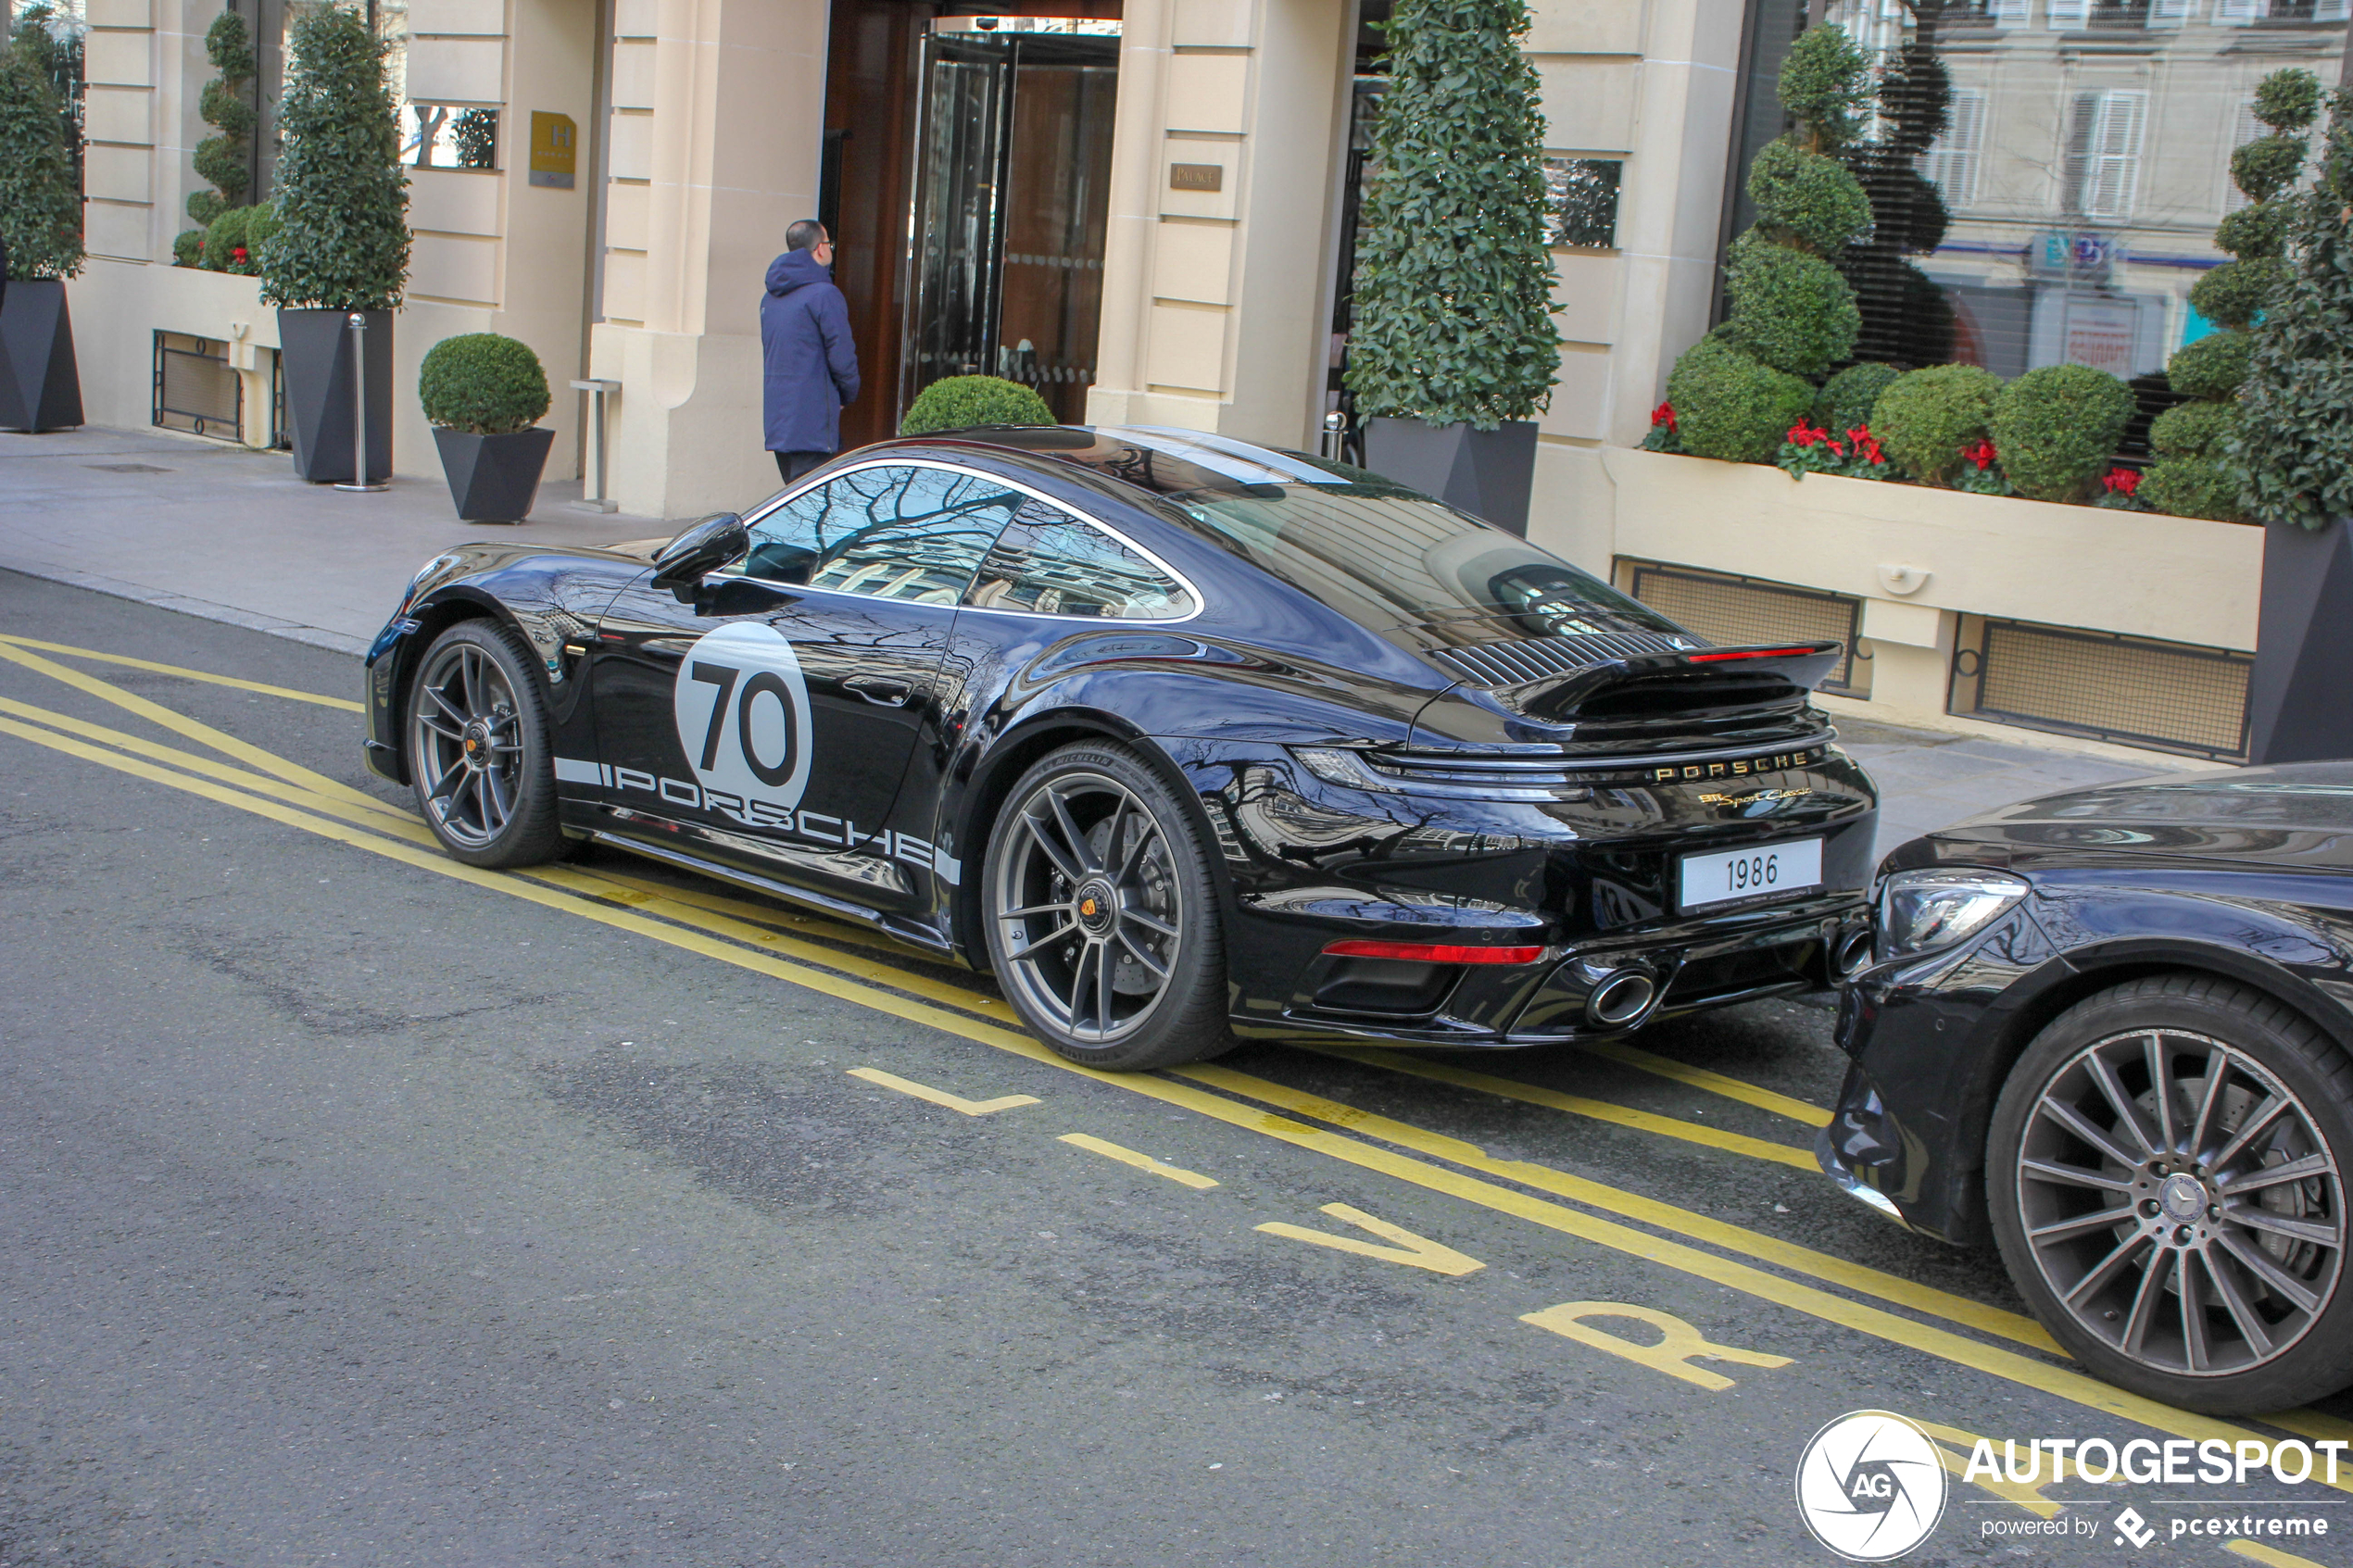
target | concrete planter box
x=317, y=363
x=40, y=385
x=2299, y=703
x=1484, y=473
x=493, y=478
x=1916, y=551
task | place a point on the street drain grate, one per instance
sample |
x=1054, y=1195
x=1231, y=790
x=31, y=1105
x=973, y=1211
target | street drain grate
x=125, y=468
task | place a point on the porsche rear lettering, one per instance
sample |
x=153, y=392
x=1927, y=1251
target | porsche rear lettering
x=1744, y=768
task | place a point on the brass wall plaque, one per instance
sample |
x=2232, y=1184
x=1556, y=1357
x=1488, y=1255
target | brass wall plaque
x=1195, y=176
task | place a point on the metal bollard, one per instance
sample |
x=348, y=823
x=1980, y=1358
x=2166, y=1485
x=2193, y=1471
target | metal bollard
x=358, y=324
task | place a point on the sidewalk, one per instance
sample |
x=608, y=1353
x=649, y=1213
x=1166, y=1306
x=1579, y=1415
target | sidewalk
x=232, y=535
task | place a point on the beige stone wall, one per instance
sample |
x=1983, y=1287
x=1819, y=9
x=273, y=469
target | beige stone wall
x=718, y=112
x=1215, y=303
x=491, y=252
x=1650, y=81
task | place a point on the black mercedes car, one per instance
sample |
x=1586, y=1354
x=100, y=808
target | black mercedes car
x=1184, y=739
x=2109, y=1031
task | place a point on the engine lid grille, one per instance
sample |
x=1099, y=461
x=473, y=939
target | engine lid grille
x=1515, y=661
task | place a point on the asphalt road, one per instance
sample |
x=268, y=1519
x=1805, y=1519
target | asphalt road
x=358, y=1208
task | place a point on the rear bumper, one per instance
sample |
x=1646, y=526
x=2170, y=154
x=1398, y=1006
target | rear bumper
x=1690, y=967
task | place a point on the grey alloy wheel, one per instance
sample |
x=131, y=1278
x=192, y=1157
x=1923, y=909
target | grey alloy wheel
x=2180, y=1202
x=1089, y=913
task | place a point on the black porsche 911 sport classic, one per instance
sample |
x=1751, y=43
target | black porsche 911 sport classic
x=1181, y=738
x=2109, y=1030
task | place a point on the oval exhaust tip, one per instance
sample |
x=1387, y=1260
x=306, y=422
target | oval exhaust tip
x=1853, y=955
x=1622, y=999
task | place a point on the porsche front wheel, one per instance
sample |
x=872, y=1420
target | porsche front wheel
x=479, y=756
x=1102, y=919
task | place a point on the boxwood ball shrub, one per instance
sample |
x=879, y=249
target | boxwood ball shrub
x=1846, y=399
x=962, y=402
x=482, y=383
x=1730, y=405
x=1926, y=417
x=2056, y=429
x=2193, y=430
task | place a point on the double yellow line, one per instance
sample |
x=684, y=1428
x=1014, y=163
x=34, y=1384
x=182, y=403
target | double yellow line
x=716, y=927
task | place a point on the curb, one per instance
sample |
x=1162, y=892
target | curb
x=203, y=609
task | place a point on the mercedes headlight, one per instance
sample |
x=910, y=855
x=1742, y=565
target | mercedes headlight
x=1921, y=911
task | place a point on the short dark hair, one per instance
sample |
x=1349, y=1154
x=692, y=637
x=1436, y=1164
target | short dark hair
x=805, y=234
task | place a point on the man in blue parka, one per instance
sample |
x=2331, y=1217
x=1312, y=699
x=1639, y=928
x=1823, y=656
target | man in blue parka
x=809, y=365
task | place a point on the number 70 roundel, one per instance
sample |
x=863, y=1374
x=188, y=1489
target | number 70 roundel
x=742, y=708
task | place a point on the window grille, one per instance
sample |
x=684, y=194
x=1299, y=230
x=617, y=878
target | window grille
x=194, y=389
x=2165, y=696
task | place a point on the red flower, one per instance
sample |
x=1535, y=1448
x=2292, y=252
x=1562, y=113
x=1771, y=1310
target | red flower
x=1836, y=450
x=239, y=254
x=1979, y=453
x=1664, y=414
x=2121, y=482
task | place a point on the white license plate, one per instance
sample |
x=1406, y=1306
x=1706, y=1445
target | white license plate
x=1767, y=870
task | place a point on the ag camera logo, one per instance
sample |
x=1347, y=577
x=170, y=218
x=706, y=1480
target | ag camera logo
x=1870, y=1487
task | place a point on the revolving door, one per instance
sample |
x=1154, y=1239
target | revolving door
x=1012, y=165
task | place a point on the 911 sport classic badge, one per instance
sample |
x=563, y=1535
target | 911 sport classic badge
x=742, y=708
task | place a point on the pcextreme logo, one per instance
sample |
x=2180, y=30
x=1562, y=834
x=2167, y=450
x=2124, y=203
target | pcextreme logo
x=1869, y=1485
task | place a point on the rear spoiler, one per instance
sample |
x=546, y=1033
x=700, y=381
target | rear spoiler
x=1799, y=665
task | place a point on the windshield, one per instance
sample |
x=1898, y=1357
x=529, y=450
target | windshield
x=1386, y=556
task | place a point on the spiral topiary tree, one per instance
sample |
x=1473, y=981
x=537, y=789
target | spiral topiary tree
x=343, y=202
x=1738, y=392
x=2194, y=474
x=1452, y=299
x=2290, y=444
x=967, y=402
x=225, y=158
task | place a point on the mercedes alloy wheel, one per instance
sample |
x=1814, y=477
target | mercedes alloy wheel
x=2169, y=1193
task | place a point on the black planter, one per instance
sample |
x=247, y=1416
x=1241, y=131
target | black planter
x=40, y=388
x=493, y=478
x=316, y=349
x=1485, y=472
x=2300, y=702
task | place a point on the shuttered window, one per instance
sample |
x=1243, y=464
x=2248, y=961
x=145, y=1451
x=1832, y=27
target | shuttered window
x=2062, y=15
x=2103, y=153
x=1952, y=164
x=2009, y=13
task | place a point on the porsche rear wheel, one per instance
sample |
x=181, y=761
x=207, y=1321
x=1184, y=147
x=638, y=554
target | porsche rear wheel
x=1101, y=921
x=2167, y=1174
x=479, y=756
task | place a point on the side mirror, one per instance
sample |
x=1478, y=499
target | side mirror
x=699, y=549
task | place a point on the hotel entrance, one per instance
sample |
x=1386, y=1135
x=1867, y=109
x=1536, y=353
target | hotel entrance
x=966, y=181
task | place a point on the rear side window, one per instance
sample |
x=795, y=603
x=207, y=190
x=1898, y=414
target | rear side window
x=894, y=532
x=1048, y=562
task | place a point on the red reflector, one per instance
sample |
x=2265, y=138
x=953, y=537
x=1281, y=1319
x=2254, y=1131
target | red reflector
x=1433, y=952
x=1746, y=653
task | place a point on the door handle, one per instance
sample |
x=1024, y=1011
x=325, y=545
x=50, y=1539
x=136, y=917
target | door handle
x=880, y=690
